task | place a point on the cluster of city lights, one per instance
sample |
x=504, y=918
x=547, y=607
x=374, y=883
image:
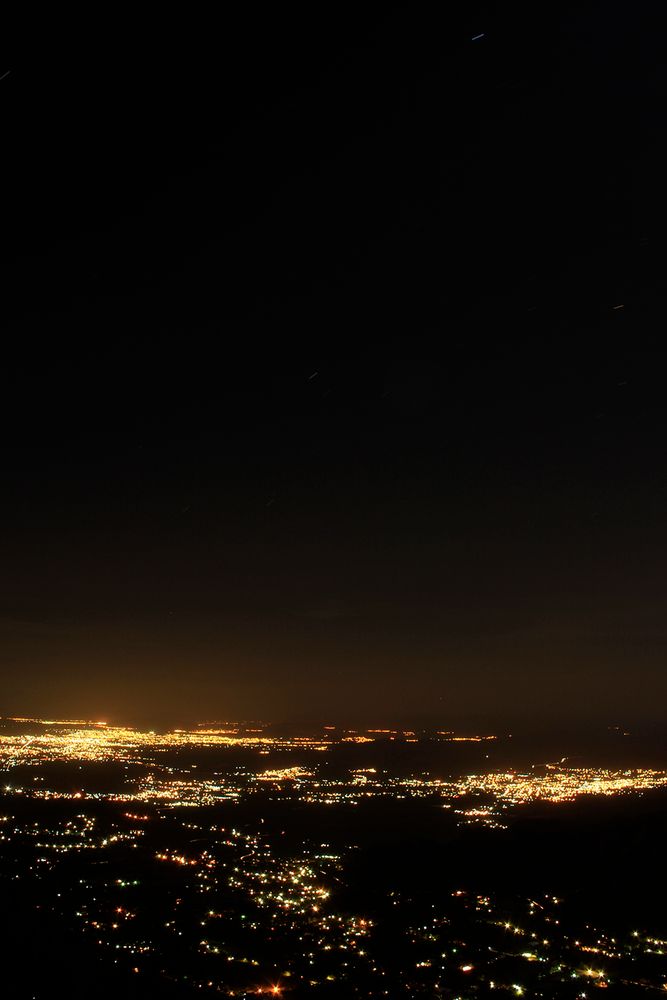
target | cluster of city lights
x=166, y=867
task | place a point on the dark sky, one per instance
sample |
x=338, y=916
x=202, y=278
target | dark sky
x=333, y=374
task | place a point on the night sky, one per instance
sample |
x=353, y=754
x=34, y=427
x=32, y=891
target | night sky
x=333, y=367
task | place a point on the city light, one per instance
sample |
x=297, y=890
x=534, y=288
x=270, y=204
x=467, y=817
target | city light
x=175, y=805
